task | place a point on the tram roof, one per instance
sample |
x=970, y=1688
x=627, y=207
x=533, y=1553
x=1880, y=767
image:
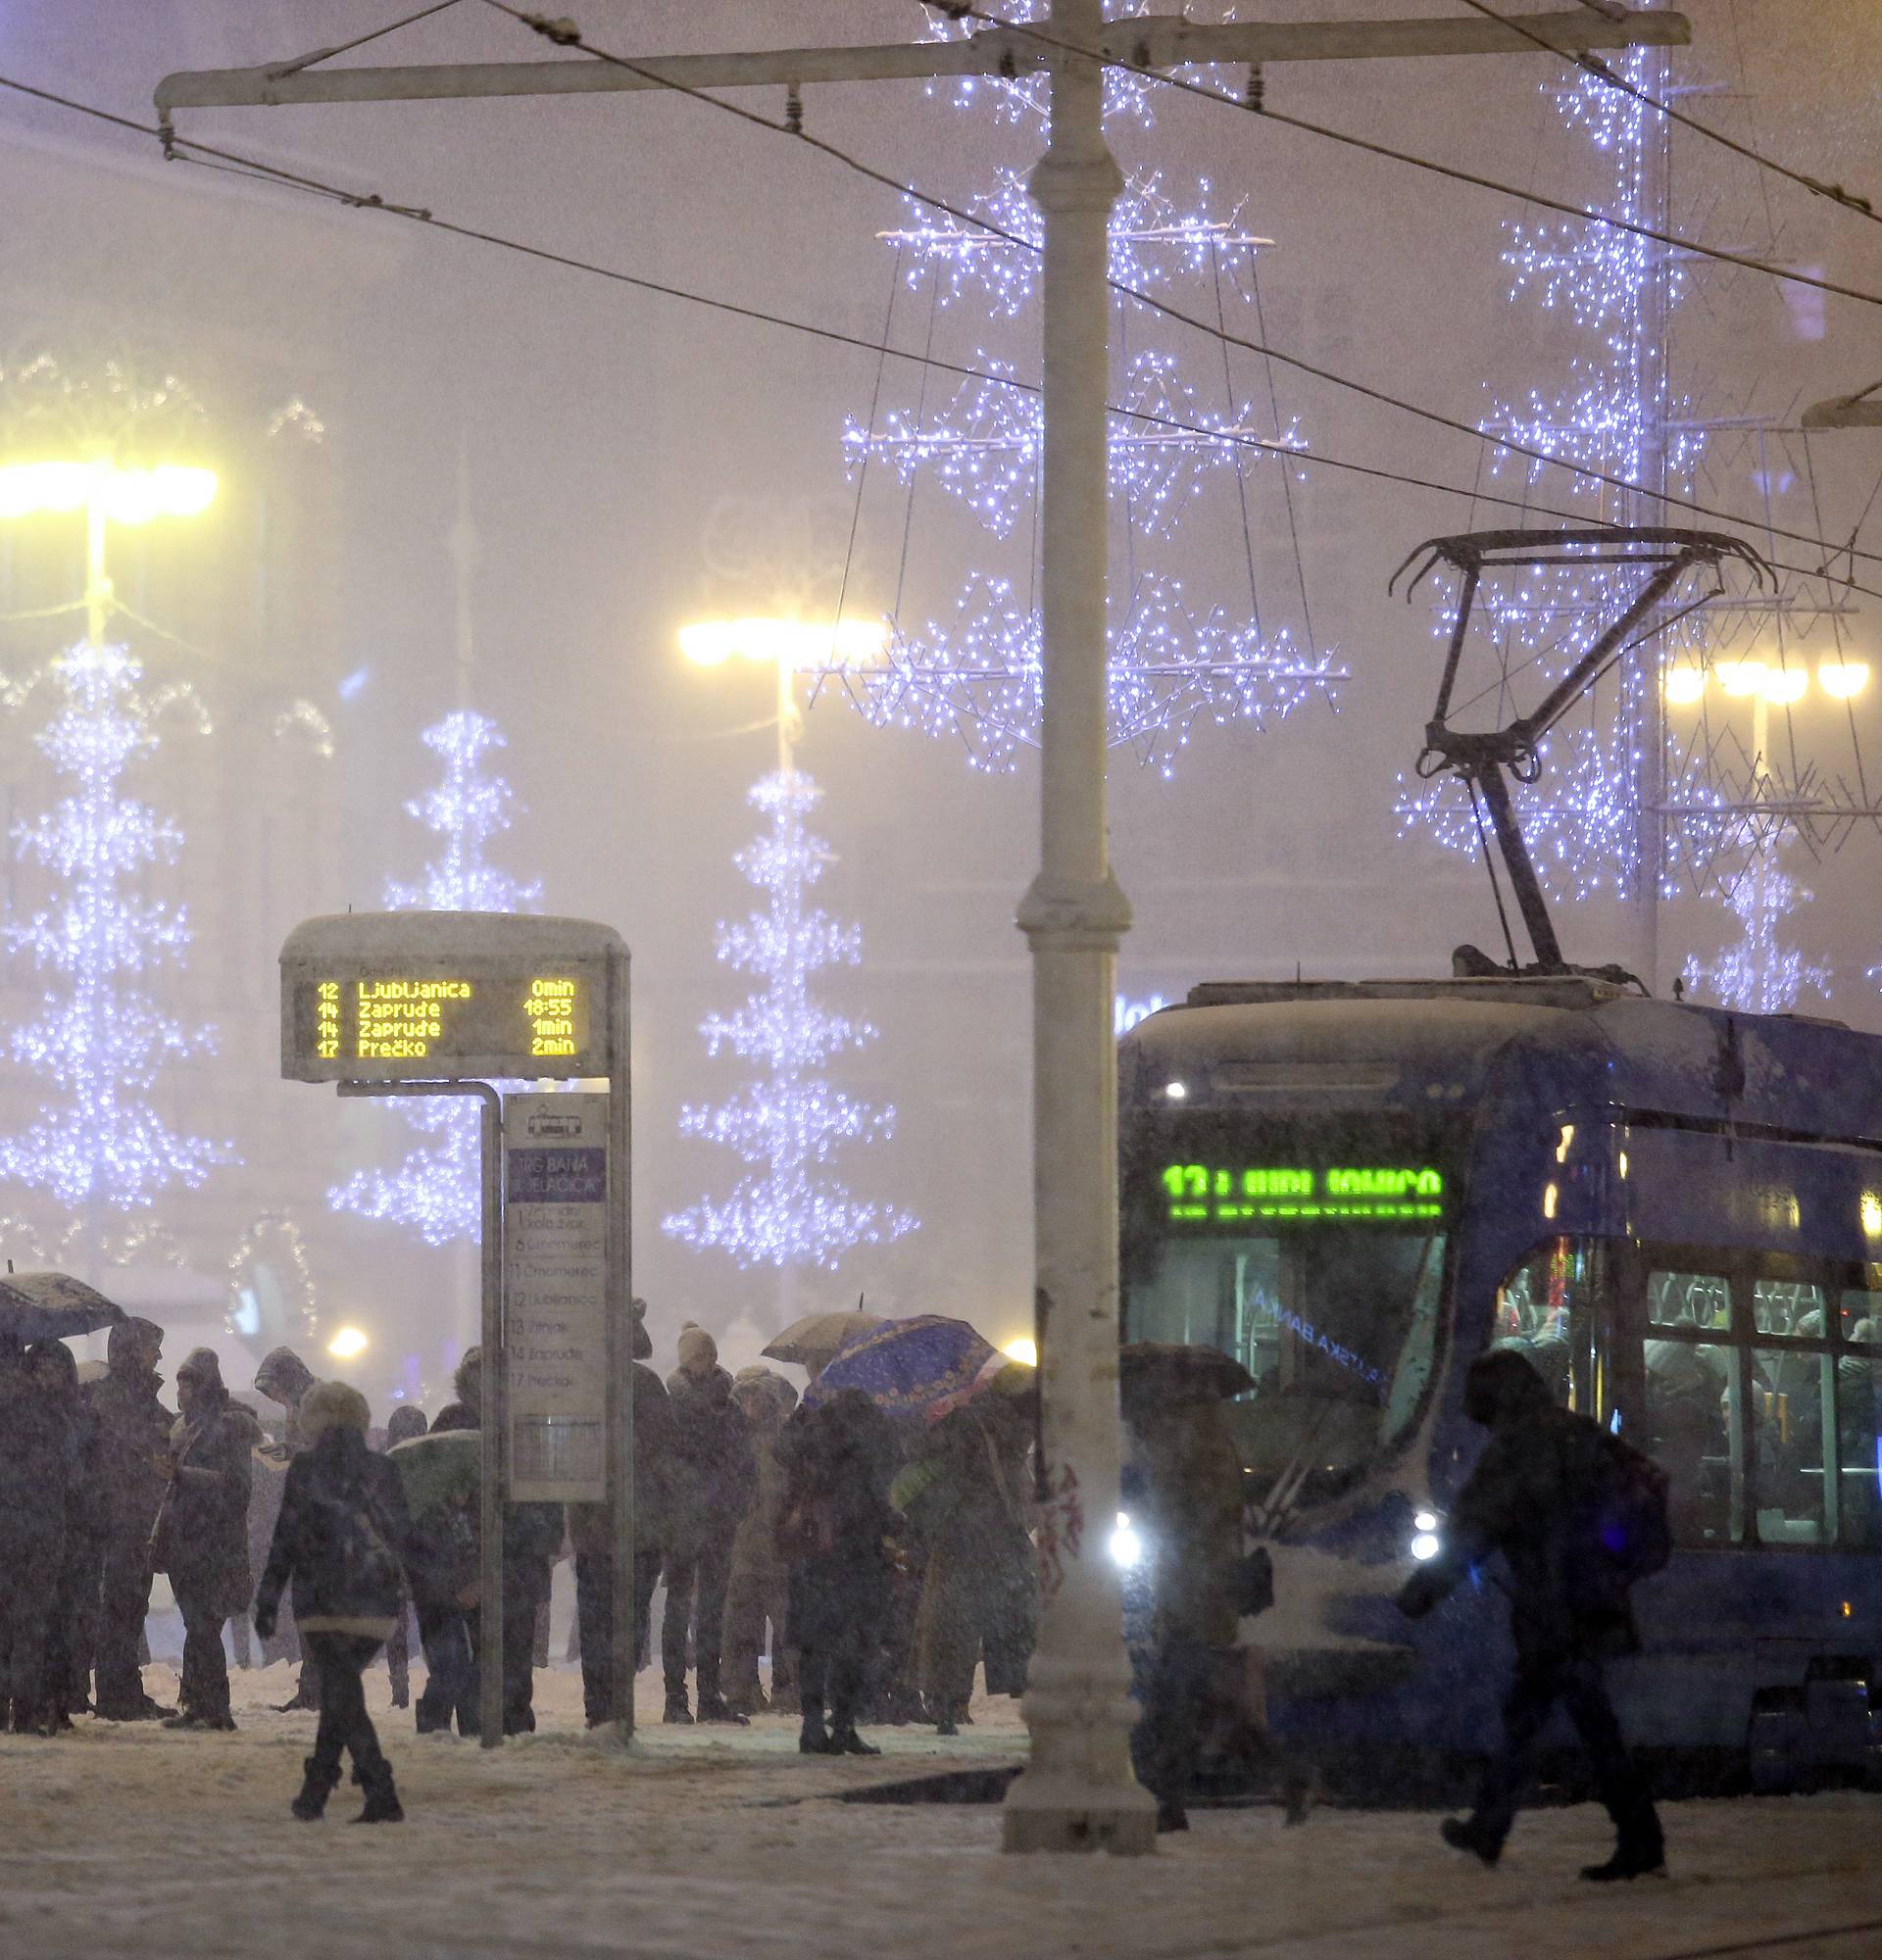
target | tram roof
x=1579, y=1041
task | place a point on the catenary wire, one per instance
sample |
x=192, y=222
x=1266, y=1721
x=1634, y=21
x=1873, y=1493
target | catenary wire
x=563, y=32
x=213, y=157
x=361, y=41
x=1372, y=148
x=1592, y=63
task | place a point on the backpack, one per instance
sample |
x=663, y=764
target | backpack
x=367, y=1570
x=1630, y=1516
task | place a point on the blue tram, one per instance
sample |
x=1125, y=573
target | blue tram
x=1674, y=1210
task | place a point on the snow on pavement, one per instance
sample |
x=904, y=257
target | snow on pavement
x=123, y=1839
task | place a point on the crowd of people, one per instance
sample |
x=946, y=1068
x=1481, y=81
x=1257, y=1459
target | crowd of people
x=876, y=1568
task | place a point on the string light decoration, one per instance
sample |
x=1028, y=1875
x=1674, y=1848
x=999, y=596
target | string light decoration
x=100, y=1037
x=973, y=672
x=436, y=1189
x=785, y=1212
x=1759, y=974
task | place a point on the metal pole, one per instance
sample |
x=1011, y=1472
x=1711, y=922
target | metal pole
x=493, y=1419
x=621, y=1344
x=1079, y=1792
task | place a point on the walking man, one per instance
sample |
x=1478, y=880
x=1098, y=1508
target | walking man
x=1579, y=1517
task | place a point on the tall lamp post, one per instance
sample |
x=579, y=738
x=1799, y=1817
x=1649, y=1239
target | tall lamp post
x=789, y=647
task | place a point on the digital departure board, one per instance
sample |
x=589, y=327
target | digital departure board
x=1283, y=1195
x=391, y=997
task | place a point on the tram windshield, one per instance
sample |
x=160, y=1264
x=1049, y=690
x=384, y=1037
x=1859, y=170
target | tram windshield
x=1322, y=1278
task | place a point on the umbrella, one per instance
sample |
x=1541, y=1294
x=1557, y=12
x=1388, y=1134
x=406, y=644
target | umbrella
x=814, y=1340
x=1163, y=1372
x=438, y=1471
x=923, y=1367
x=52, y=1306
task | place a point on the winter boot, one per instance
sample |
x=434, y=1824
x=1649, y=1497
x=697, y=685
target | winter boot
x=676, y=1708
x=1465, y=1834
x=315, y=1791
x=715, y=1708
x=1645, y=1857
x=382, y=1799
x=813, y=1739
x=844, y=1742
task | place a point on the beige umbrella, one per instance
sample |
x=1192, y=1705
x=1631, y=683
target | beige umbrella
x=814, y=1340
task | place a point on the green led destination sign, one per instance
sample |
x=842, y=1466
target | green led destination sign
x=1282, y=1193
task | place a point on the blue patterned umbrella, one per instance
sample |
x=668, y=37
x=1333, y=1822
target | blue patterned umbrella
x=920, y=1368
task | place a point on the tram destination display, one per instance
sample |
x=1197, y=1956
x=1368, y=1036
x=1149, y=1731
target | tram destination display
x=1297, y=1195
x=411, y=997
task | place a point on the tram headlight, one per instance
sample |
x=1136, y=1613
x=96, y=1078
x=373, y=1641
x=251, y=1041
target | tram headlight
x=1126, y=1547
x=1426, y=1542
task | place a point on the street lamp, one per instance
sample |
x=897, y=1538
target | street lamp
x=108, y=493
x=790, y=646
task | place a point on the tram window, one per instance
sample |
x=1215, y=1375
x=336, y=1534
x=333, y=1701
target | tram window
x=1783, y=1308
x=1545, y=1308
x=1689, y=1300
x=1793, y=1403
x=1694, y=1417
x=1858, y=1419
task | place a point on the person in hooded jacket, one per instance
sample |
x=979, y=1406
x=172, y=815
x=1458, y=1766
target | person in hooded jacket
x=134, y=1432
x=591, y=1531
x=532, y=1536
x=35, y=1468
x=1535, y=1496
x=68, y=1636
x=758, y=1589
x=714, y=1480
x=341, y=1540
x=284, y=1379
x=201, y=1539
x=838, y=1457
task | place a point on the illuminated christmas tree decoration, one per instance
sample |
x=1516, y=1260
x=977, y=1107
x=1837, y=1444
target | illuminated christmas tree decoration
x=437, y=1187
x=1185, y=434
x=100, y=1039
x=1759, y=974
x=785, y=1212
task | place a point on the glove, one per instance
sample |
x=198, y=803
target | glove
x=1420, y=1592
x=264, y=1617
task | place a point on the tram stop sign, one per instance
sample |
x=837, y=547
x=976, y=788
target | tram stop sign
x=492, y=1005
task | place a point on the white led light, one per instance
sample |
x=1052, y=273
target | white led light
x=1426, y=1545
x=1126, y=1547
x=1426, y=1521
x=1175, y=1091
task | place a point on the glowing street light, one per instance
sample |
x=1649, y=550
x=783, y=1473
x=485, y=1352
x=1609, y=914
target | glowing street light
x=107, y=493
x=1023, y=1350
x=1843, y=680
x=1762, y=683
x=789, y=646
x=348, y=1345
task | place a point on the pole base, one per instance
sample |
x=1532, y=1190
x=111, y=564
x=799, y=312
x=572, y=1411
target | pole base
x=1055, y=1814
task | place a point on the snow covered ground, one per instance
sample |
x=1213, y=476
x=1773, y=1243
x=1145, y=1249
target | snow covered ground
x=133, y=1840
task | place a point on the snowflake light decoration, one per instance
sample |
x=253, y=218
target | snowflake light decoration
x=785, y=1212
x=1181, y=426
x=100, y=1039
x=437, y=1188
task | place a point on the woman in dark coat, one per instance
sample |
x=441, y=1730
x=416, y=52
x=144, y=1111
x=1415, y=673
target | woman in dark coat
x=69, y=1635
x=837, y=1458
x=201, y=1537
x=404, y=1423
x=342, y=1539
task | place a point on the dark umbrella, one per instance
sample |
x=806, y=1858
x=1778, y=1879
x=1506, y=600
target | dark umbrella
x=52, y=1306
x=923, y=1367
x=812, y=1340
x=1159, y=1372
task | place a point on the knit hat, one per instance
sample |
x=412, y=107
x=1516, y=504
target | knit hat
x=643, y=1342
x=333, y=1405
x=698, y=1351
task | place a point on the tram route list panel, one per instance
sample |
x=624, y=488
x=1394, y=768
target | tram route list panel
x=471, y=1021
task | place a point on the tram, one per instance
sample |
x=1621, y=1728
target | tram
x=1674, y=1210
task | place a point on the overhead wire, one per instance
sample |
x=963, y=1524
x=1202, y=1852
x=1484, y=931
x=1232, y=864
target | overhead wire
x=1265, y=112
x=190, y=150
x=361, y=41
x=1593, y=65
x=565, y=32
